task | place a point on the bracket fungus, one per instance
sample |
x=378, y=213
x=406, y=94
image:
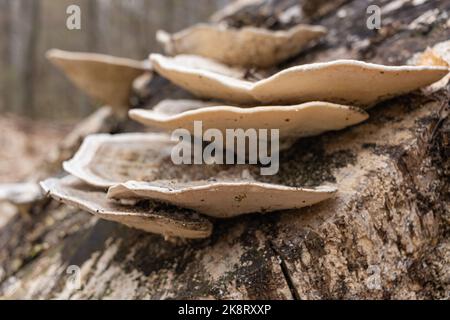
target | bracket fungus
x=176, y=106
x=203, y=82
x=148, y=191
x=203, y=63
x=342, y=81
x=127, y=160
x=438, y=55
x=149, y=217
x=296, y=121
x=246, y=47
x=345, y=81
x=141, y=86
x=21, y=195
x=105, y=78
x=223, y=199
x=104, y=160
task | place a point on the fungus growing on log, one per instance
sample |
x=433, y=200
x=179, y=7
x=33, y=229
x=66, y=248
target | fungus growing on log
x=140, y=166
x=113, y=161
x=245, y=47
x=22, y=195
x=223, y=199
x=177, y=106
x=295, y=121
x=149, y=217
x=105, y=78
x=104, y=160
x=343, y=81
x=203, y=82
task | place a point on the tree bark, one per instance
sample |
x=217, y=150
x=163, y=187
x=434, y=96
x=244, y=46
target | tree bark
x=385, y=235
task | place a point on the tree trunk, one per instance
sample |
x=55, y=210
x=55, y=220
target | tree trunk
x=25, y=20
x=4, y=53
x=385, y=235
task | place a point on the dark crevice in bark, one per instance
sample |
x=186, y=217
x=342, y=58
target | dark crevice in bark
x=286, y=273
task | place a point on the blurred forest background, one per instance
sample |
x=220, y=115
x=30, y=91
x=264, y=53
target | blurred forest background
x=38, y=105
x=31, y=87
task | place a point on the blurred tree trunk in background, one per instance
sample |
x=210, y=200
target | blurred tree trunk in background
x=22, y=25
x=384, y=236
x=4, y=24
x=32, y=87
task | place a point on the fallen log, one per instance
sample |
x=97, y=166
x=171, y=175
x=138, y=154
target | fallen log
x=385, y=235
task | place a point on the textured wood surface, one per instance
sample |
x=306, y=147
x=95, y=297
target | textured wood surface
x=385, y=235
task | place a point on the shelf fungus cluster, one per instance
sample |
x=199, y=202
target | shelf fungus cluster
x=130, y=177
x=104, y=78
